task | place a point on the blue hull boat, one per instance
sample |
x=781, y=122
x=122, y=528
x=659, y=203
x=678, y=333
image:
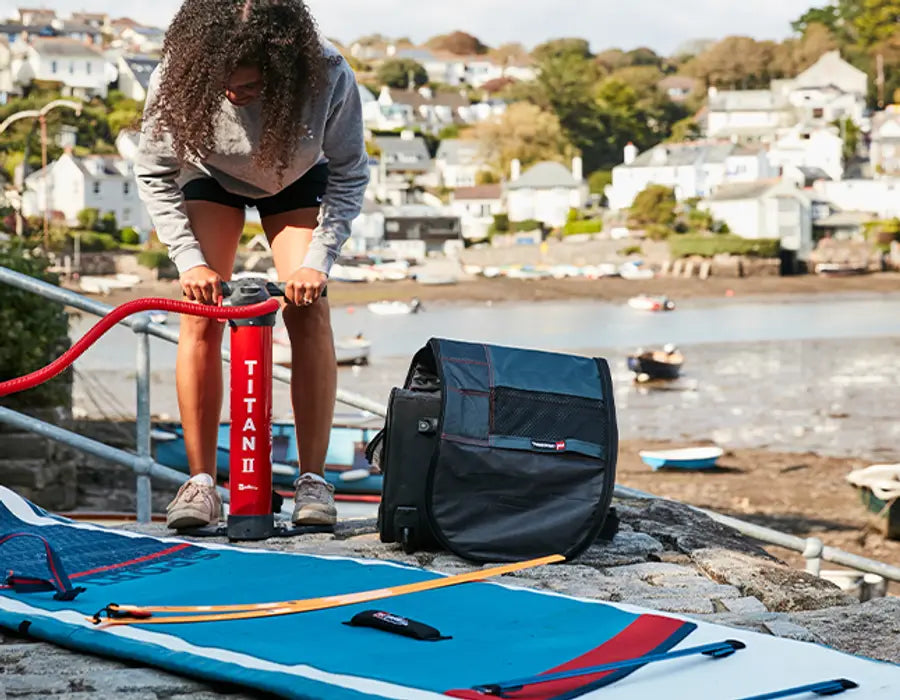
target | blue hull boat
x=692, y=458
x=346, y=466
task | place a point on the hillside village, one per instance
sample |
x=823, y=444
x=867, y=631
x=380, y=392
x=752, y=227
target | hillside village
x=801, y=160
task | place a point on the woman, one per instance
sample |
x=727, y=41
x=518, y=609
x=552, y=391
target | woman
x=251, y=107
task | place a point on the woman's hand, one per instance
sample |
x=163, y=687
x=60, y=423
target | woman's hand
x=202, y=284
x=305, y=286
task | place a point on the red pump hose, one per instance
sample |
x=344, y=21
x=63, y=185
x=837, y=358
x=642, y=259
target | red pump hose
x=223, y=313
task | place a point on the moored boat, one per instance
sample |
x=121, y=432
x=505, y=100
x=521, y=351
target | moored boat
x=644, y=302
x=395, y=308
x=879, y=491
x=656, y=364
x=691, y=458
x=346, y=467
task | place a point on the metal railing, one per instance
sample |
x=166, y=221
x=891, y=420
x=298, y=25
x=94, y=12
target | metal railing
x=812, y=548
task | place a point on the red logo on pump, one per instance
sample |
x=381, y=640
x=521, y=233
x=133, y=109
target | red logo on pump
x=561, y=446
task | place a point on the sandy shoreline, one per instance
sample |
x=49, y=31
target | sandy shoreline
x=480, y=290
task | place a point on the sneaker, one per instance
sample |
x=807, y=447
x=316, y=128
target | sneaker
x=314, y=502
x=197, y=504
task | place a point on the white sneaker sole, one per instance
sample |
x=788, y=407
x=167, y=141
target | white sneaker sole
x=188, y=518
x=314, y=515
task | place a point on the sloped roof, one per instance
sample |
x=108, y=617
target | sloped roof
x=687, y=153
x=67, y=48
x=742, y=190
x=545, y=176
x=478, y=192
x=401, y=154
x=417, y=99
x=458, y=151
x=141, y=68
x=747, y=101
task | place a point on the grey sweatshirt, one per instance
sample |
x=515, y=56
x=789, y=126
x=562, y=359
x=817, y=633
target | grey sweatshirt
x=335, y=137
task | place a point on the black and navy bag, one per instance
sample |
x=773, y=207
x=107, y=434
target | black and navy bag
x=498, y=454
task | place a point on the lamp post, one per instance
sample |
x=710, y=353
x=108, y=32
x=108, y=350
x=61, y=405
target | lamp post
x=41, y=116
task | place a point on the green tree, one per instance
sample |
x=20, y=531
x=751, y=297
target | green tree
x=87, y=219
x=654, y=205
x=876, y=20
x=599, y=180
x=828, y=16
x=524, y=132
x=736, y=62
x=459, y=43
x=108, y=224
x=556, y=48
x=397, y=72
x=33, y=333
x=686, y=129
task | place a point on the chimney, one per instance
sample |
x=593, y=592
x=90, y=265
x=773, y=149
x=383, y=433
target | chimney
x=631, y=153
x=578, y=169
x=515, y=170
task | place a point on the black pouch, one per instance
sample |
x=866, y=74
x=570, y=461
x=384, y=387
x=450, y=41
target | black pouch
x=388, y=622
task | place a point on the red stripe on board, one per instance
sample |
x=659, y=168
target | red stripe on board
x=140, y=560
x=640, y=638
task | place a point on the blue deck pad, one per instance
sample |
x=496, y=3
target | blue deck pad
x=497, y=632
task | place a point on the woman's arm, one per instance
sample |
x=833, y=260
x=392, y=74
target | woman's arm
x=157, y=169
x=348, y=167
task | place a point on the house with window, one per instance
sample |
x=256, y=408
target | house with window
x=423, y=107
x=829, y=90
x=880, y=196
x=476, y=208
x=403, y=169
x=691, y=169
x=767, y=209
x=98, y=20
x=546, y=192
x=71, y=184
x=8, y=86
x=134, y=75
x=36, y=16
x=142, y=40
x=816, y=148
x=884, y=151
x=417, y=231
x=458, y=163
x=79, y=69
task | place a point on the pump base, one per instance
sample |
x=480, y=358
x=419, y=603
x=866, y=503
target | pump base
x=250, y=528
x=278, y=531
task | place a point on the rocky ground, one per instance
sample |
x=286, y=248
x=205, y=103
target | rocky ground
x=665, y=557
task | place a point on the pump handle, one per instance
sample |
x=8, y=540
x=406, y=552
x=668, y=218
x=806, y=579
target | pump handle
x=274, y=289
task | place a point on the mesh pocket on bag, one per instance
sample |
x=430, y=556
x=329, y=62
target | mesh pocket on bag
x=543, y=416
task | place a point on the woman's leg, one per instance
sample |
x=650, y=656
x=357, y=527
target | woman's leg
x=313, y=364
x=198, y=371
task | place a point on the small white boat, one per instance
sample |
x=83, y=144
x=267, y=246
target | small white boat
x=692, y=458
x=635, y=271
x=349, y=351
x=105, y=285
x=643, y=302
x=395, y=308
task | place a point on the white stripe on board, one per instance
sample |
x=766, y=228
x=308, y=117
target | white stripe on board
x=252, y=663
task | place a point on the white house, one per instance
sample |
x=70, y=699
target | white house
x=8, y=87
x=476, y=208
x=880, y=197
x=829, y=90
x=691, y=169
x=766, y=209
x=134, y=75
x=402, y=170
x=546, y=192
x=433, y=110
x=36, y=16
x=367, y=230
x=81, y=69
x=458, y=162
x=884, y=151
x=820, y=148
x=747, y=114
x=143, y=40
x=105, y=183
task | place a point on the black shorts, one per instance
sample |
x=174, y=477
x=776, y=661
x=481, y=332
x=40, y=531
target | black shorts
x=307, y=192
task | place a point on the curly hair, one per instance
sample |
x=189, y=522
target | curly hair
x=207, y=41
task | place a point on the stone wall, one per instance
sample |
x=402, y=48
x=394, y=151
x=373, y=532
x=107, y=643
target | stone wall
x=43, y=471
